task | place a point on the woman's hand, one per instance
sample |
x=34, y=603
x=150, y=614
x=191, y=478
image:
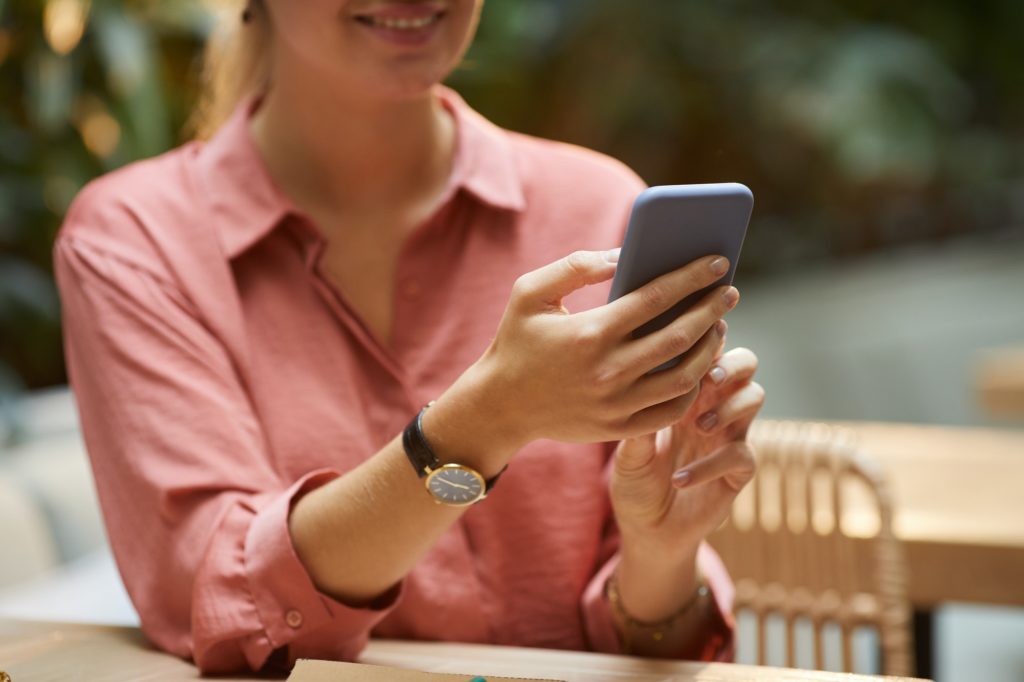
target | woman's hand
x=583, y=377
x=671, y=489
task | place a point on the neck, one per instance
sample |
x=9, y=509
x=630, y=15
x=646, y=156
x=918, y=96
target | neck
x=334, y=152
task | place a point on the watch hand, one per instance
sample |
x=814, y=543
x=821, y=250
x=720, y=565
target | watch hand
x=464, y=487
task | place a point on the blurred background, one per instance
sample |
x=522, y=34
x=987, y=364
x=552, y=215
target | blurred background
x=884, y=142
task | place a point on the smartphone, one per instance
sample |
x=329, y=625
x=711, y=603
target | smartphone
x=671, y=226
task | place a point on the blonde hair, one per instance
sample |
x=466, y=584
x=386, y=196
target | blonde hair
x=236, y=64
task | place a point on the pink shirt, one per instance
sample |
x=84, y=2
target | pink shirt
x=219, y=375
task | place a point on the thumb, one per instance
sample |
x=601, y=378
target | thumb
x=635, y=454
x=547, y=286
x=639, y=487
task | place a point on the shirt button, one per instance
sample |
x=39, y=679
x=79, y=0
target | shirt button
x=411, y=288
x=294, y=619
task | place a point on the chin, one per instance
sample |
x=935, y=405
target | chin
x=399, y=85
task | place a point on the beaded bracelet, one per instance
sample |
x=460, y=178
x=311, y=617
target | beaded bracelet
x=656, y=629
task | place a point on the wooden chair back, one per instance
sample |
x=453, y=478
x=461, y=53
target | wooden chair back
x=810, y=540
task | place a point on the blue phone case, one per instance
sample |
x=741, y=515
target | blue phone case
x=671, y=226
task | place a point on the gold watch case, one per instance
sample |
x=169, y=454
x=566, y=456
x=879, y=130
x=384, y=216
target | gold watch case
x=455, y=485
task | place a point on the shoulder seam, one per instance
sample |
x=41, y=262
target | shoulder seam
x=77, y=244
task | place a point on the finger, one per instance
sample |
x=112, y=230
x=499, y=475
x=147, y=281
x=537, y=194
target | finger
x=634, y=454
x=644, y=304
x=679, y=380
x=681, y=455
x=659, y=416
x=729, y=373
x=734, y=464
x=736, y=366
x=744, y=404
x=547, y=286
x=721, y=346
x=644, y=354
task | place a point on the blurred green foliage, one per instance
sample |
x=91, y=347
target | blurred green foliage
x=120, y=94
x=860, y=125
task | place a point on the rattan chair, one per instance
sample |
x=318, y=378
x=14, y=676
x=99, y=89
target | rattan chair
x=810, y=541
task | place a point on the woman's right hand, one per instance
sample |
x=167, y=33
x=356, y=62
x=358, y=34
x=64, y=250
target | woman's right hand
x=582, y=377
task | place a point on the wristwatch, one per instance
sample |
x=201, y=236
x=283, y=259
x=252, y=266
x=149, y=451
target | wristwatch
x=456, y=485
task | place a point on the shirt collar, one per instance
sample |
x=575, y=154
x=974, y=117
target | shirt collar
x=248, y=205
x=484, y=162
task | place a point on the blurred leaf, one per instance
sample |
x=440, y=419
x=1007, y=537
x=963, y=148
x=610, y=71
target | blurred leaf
x=133, y=73
x=16, y=194
x=51, y=90
x=880, y=101
x=64, y=24
x=183, y=16
x=22, y=285
x=15, y=143
x=10, y=387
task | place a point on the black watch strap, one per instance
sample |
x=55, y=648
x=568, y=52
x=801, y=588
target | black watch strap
x=420, y=454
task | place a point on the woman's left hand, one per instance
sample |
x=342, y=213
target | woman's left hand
x=707, y=452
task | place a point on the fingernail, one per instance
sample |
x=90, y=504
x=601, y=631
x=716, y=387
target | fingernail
x=612, y=256
x=732, y=295
x=707, y=421
x=721, y=327
x=681, y=478
x=720, y=266
x=717, y=375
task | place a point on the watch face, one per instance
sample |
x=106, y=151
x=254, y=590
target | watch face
x=455, y=484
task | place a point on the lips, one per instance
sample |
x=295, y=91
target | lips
x=402, y=16
x=405, y=24
x=399, y=23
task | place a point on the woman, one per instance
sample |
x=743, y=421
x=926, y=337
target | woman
x=254, y=321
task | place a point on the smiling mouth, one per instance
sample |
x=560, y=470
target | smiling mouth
x=400, y=23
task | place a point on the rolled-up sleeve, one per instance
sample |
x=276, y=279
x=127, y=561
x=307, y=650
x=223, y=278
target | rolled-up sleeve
x=196, y=514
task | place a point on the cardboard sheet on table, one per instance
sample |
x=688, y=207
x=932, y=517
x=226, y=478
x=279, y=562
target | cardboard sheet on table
x=307, y=670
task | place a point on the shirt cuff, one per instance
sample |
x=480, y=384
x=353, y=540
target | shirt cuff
x=603, y=635
x=289, y=605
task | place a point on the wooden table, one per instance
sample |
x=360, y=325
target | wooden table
x=959, y=497
x=1000, y=382
x=41, y=651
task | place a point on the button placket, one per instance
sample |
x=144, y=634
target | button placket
x=342, y=311
x=408, y=299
